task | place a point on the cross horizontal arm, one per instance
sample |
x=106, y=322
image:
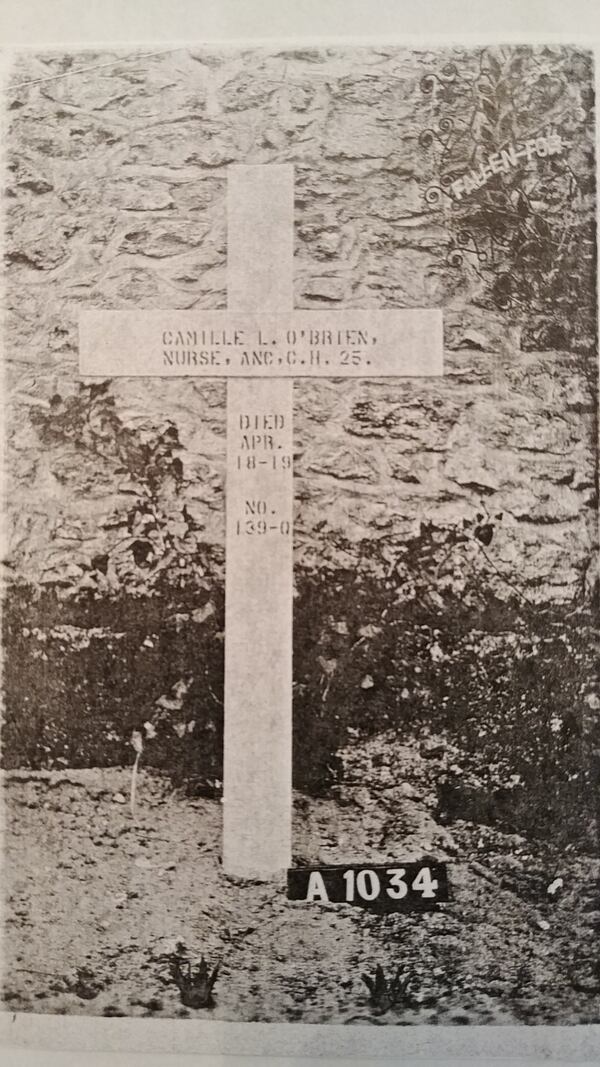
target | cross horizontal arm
x=229, y=344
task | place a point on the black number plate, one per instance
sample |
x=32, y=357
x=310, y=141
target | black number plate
x=395, y=887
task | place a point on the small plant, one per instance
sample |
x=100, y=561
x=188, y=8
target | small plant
x=138, y=746
x=87, y=986
x=137, y=742
x=195, y=984
x=386, y=995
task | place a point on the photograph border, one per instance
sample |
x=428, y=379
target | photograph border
x=422, y=1044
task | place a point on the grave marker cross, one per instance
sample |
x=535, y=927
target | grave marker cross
x=260, y=344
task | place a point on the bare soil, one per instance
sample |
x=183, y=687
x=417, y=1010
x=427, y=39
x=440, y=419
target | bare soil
x=96, y=901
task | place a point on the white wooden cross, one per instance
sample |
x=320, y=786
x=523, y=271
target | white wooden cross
x=260, y=344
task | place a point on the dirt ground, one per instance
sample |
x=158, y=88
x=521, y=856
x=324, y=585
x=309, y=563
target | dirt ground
x=96, y=900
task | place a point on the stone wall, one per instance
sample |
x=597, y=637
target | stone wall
x=116, y=199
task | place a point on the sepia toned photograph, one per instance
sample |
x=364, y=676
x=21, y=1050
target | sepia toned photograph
x=300, y=642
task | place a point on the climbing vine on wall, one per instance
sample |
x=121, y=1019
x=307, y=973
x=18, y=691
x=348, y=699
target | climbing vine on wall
x=510, y=140
x=152, y=540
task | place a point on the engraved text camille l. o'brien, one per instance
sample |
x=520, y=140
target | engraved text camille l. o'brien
x=209, y=347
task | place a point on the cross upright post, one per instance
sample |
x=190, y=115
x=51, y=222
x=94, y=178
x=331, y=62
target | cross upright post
x=260, y=344
x=257, y=758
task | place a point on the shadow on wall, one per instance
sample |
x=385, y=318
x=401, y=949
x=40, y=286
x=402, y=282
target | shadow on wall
x=511, y=684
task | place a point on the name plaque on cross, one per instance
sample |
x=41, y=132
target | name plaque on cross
x=260, y=344
x=226, y=344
